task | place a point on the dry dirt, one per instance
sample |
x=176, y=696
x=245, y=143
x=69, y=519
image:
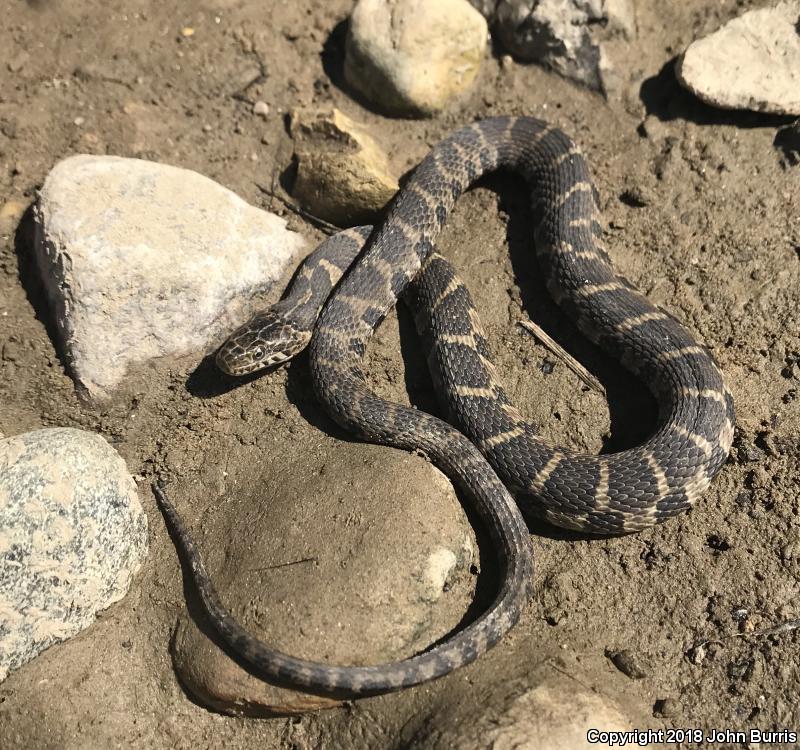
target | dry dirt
x=699, y=213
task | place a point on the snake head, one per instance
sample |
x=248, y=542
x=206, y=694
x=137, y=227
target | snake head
x=266, y=340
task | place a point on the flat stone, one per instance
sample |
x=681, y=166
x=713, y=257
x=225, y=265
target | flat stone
x=366, y=571
x=343, y=175
x=143, y=260
x=752, y=62
x=72, y=536
x=413, y=56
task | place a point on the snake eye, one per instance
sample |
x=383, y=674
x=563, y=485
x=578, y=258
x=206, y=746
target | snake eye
x=259, y=353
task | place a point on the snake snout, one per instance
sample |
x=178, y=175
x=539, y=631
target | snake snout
x=266, y=340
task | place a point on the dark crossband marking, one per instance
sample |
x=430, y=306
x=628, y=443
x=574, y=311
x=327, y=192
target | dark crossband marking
x=688, y=393
x=333, y=271
x=704, y=445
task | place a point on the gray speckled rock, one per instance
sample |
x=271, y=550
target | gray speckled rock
x=72, y=535
x=413, y=56
x=563, y=35
x=752, y=62
x=144, y=260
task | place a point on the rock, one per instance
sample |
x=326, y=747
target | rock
x=554, y=715
x=72, y=536
x=144, y=260
x=752, y=62
x=545, y=711
x=628, y=663
x=261, y=109
x=343, y=176
x=667, y=708
x=412, y=56
x=365, y=571
x=563, y=35
x=10, y=214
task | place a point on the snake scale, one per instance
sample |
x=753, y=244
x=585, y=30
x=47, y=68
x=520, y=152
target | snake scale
x=607, y=494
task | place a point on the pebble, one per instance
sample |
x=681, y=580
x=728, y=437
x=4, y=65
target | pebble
x=628, y=663
x=371, y=581
x=562, y=34
x=142, y=260
x=667, y=708
x=261, y=109
x=343, y=175
x=72, y=535
x=752, y=62
x=412, y=56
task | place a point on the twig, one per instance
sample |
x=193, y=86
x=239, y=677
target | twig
x=325, y=226
x=567, y=359
x=283, y=565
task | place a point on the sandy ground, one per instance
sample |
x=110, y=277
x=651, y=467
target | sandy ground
x=717, y=241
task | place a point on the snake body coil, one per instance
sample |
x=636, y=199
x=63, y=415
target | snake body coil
x=607, y=494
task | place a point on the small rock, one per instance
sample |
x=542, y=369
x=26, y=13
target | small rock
x=413, y=56
x=261, y=109
x=628, y=663
x=143, y=260
x=330, y=571
x=343, y=176
x=752, y=62
x=667, y=708
x=72, y=536
x=563, y=35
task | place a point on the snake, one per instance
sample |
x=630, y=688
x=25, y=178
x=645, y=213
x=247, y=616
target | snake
x=344, y=289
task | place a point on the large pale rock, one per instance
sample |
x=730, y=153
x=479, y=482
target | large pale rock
x=72, y=535
x=546, y=708
x=752, y=62
x=413, y=56
x=143, y=260
x=343, y=176
x=369, y=567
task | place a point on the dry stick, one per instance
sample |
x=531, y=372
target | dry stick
x=567, y=359
x=325, y=226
